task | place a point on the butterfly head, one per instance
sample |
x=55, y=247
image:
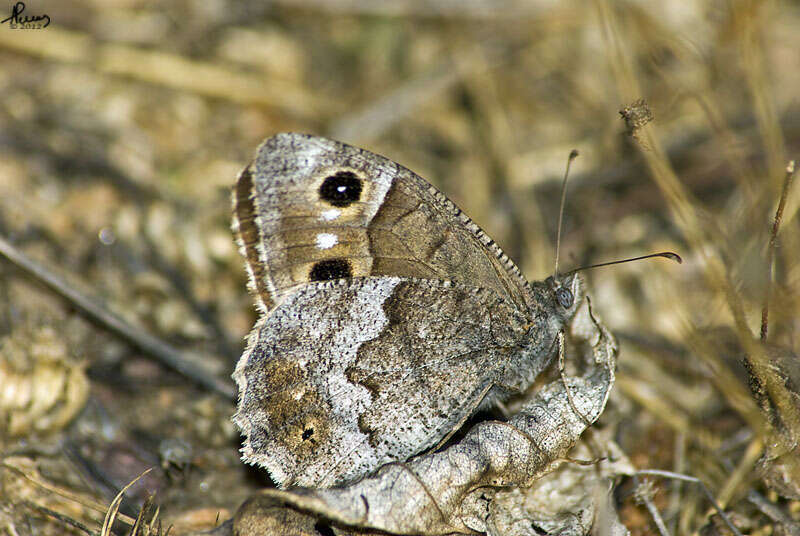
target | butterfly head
x=564, y=295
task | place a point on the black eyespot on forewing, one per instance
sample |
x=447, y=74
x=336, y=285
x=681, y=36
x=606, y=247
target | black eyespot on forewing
x=323, y=529
x=341, y=189
x=564, y=297
x=330, y=269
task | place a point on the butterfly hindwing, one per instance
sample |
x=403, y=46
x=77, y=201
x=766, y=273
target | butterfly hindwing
x=346, y=375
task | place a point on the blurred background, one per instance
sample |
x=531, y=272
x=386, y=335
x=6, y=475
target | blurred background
x=123, y=126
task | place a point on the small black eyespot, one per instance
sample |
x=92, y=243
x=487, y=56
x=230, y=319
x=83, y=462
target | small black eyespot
x=330, y=269
x=341, y=189
x=323, y=529
x=564, y=297
x=307, y=433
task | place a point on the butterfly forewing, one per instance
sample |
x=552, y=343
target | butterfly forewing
x=309, y=209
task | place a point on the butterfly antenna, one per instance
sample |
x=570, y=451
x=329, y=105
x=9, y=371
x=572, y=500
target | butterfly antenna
x=666, y=254
x=573, y=154
x=776, y=223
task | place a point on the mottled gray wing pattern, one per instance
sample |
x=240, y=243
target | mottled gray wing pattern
x=346, y=375
x=312, y=209
x=388, y=315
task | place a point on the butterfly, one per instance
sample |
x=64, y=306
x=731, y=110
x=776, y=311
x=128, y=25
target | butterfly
x=387, y=316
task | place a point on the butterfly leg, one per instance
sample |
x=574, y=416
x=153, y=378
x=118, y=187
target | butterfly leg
x=503, y=409
x=563, y=375
x=466, y=416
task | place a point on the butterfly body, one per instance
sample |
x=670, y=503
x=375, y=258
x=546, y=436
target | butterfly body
x=388, y=316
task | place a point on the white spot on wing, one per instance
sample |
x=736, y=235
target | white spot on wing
x=330, y=215
x=326, y=240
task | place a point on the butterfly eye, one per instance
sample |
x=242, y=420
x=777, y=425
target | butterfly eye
x=564, y=297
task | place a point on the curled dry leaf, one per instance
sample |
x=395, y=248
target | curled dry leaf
x=42, y=386
x=452, y=491
x=573, y=500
